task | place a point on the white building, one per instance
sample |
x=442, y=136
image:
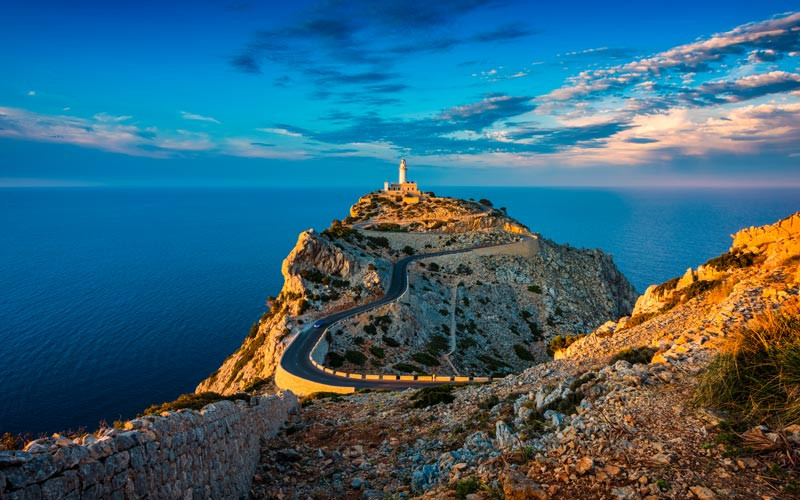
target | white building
x=403, y=187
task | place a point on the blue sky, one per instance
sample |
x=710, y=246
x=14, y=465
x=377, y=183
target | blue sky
x=479, y=92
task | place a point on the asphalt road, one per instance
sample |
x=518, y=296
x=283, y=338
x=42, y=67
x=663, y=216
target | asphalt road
x=295, y=359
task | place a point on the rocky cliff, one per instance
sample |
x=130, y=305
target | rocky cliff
x=478, y=313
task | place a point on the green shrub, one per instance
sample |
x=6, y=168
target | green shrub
x=407, y=368
x=378, y=241
x=634, y=355
x=438, y=344
x=562, y=342
x=334, y=359
x=370, y=329
x=523, y=353
x=304, y=305
x=377, y=352
x=194, y=401
x=389, y=341
x=535, y=289
x=757, y=378
x=666, y=286
x=408, y=250
x=314, y=275
x=429, y=396
x=465, y=487
x=253, y=330
x=355, y=357
x=638, y=319
x=433, y=266
x=425, y=359
x=732, y=260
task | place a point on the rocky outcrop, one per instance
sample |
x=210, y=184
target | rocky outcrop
x=211, y=453
x=494, y=308
x=778, y=240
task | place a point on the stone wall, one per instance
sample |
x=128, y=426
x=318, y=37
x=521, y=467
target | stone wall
x=210, y=453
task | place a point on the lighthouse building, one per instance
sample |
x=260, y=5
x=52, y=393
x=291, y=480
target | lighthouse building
x=408, y=190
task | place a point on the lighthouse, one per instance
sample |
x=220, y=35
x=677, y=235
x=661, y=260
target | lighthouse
x=403, y=168
x=408, y=190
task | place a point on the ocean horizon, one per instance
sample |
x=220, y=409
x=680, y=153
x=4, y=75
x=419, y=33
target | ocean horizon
x=117, y=298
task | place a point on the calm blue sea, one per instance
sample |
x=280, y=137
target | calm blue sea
x=113, y=299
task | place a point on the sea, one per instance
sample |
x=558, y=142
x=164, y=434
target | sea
x=112, y=299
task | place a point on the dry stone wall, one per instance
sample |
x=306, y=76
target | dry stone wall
x=210, y=453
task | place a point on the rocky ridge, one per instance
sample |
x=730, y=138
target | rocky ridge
x=612, y=419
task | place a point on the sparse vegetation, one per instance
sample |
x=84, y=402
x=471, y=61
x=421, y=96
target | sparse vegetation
x=756, y=377
x=429, y=396
x=438, y=344
x=194, y=401
x=535, y=289
x=634, y=355
x=638, y=319
x=377, y=352
x=389, y=341
x=666, y=286
x=355, y=357
x=334, y=359
x=465, y=487
x=9, y=442
x=523, y=353
x=425, y=359
x=733, y=260
x=562, y=342
x=408, y=368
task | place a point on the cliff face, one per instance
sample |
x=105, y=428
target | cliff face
x=492, y=311
x=323, y=273
x=484, y=313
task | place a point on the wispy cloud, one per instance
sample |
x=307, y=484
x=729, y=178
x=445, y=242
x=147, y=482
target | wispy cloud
x=113, y=133
x=192, y=116
x=282, y=131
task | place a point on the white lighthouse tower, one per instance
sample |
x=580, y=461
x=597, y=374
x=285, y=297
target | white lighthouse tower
x=408, y=190
x=403, y=168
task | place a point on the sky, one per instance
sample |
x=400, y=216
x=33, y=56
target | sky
x=335, y=92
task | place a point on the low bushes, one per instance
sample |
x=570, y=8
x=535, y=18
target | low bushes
x=435, y=395
x=634, y=355
x=355, y=357
x=522, y=353
x=562, y=342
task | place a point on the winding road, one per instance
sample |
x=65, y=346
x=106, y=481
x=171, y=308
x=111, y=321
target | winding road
x=296, y=358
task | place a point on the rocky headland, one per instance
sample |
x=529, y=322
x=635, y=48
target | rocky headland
x=621, y=414
x=486, y=312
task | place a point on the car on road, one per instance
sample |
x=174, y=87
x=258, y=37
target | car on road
x=319, y=324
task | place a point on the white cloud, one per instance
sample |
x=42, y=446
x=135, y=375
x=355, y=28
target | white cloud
x=280, y=131
x=191, y=116
x=31, y=93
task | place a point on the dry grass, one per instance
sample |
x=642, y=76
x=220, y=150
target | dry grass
x=721, y=292
x=757, y=376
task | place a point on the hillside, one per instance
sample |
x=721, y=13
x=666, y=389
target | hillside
x=486, y=312
x=617, y=416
